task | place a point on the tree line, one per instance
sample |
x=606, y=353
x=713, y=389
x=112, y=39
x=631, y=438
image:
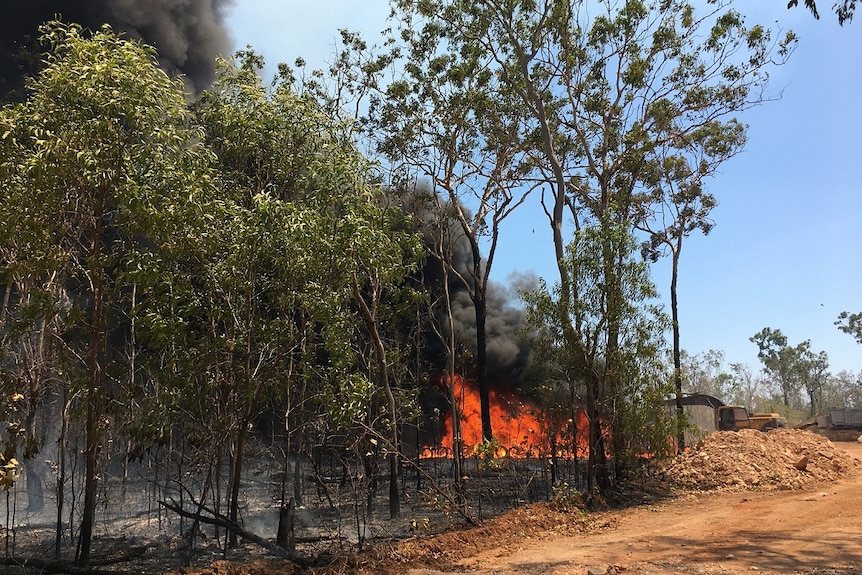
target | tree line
x=793, y=380
x=184, y=272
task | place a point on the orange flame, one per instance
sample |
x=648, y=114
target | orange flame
x=519, y=426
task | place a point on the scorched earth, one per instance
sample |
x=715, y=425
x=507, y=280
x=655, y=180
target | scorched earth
x=785, y=502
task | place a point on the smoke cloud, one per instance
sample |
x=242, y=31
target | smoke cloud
x=188, y=34
x=507, y=355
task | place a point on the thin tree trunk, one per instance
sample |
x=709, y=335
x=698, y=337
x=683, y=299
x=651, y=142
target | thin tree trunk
x=457, y=440
x=369, y=313
x=677, y=350
x=480, y=305
x=93, y=399
x=61, y=472
x=235, y=478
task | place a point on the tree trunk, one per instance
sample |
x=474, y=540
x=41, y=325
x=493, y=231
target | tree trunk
x=457, y=442
x=61, y=472
x=394, y=488
x=482, y=362
x=369, y=313
x=93, y=399
x=235, y=479
x=677, y=350
x=286, y=537
x=90, y=481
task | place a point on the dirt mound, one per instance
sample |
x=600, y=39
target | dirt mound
x=534, y=522
x=748, y=459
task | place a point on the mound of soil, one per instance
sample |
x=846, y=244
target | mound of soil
x=749, y=459
x=530, y=523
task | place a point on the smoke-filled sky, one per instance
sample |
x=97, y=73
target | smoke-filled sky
x=786, y=251
x=188, y=34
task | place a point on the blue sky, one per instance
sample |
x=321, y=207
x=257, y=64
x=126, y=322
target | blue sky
x=785, y=252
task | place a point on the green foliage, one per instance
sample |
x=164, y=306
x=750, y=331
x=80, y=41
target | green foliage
x=104, y=164
x=851, y=323
x=309, y=238
x=619, y=111
x=794, y=367
x=565, y=497
x=844, y=9
x=628, y=369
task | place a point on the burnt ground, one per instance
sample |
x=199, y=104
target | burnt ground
x=783, y=502
x=811, y=527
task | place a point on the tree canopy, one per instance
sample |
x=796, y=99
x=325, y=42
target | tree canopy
x=843, y=9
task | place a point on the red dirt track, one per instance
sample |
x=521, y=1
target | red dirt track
x=816, y=530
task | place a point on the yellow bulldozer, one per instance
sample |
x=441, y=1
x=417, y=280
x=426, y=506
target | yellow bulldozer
x=736, y=417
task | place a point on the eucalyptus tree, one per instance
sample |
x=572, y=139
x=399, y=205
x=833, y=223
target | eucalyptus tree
x=851, y=324
x=676, y=204
x=384, y=250
x=794, y=367
x=448, y=121
x=266, y=146
x=104, y=154
x=630, y=409
x=779, y=360
x=814, y=373
x=319, y=255
x=609, y=91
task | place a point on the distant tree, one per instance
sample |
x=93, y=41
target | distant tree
x=813, y=373
x=779, y=360
x=794, y=367
x=844, y=9
x=704, y=373
x=745, y=385
x=851, y=323
x=842, y=390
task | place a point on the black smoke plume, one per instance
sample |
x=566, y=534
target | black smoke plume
x=188, y=34
x=508, y=356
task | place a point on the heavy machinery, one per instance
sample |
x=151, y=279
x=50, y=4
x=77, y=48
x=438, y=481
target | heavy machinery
x=736, y=417
x=841, y=424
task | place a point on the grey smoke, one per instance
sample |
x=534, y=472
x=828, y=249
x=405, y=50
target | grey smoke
x=188, y=34
x=507, y=354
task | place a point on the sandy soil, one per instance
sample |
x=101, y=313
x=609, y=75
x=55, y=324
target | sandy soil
x=816, y=530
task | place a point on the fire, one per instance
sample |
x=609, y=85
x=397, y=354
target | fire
x=519, y=426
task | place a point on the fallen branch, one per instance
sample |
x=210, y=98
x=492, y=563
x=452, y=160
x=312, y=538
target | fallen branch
x=60, y=566
x=222, y=521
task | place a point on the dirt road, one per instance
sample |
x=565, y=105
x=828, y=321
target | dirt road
x=817, y=531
